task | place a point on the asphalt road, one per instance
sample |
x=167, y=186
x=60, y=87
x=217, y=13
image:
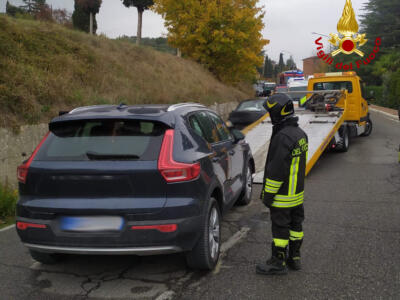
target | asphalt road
x=351, y=247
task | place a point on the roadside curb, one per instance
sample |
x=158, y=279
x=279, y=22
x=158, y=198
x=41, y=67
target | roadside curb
x=7, y=228
x=391, y=116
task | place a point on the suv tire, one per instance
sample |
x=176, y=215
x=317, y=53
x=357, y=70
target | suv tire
x=46, y=258
x=205, y=253
x=247, y=192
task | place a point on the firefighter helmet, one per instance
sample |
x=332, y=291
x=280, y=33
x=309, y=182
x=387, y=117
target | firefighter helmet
x=280, y=107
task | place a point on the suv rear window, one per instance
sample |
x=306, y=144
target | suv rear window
x=103, y=140
x=251, y=105
x=334, y=85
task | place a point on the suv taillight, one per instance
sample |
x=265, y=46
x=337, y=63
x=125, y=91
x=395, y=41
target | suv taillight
x=171, y=170
x=22, y=170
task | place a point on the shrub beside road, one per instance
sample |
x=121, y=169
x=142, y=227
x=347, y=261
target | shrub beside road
x=8, y=200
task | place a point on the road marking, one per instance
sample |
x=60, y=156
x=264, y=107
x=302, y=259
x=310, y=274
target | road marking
x=36, y=266
x=232, y=241
x=167, y=295
x=7, y=228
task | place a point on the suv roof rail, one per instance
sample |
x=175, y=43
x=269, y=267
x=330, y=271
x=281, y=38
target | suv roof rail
x=187, y=104
x=82, y=108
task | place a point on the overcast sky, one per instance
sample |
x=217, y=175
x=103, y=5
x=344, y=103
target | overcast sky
x=288, y=23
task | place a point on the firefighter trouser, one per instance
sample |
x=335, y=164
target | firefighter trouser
x=287, y=224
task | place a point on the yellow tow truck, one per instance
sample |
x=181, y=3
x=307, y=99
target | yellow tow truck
x=336, y=109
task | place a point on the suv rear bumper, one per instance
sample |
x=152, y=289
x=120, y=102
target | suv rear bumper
x=142, y=251
x=126, y=241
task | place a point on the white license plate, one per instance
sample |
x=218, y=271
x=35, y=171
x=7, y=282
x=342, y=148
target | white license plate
x=91, y=224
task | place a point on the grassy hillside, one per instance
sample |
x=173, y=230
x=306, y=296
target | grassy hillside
x=45, y=68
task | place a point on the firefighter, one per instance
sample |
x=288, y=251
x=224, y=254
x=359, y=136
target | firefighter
x=283, y=186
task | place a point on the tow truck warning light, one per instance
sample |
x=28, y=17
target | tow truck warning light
x=331, y=74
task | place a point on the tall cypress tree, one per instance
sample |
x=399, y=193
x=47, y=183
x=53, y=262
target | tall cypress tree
x=270, y=71
x=382, y=19
x=81, y=16
x=281, y=63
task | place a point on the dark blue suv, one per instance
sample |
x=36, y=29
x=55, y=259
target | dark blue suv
x=141, y=180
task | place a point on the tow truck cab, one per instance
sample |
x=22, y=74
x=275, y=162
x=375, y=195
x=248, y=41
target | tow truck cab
x=356, y=113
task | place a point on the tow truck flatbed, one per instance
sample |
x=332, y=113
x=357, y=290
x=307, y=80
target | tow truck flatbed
x=320, y=129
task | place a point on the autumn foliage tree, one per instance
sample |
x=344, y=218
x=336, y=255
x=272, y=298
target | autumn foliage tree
x=223, y=35
x=141, y=6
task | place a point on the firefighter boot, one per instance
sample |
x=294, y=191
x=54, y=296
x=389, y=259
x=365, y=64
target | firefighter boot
x=294, y=255
x=276, y=265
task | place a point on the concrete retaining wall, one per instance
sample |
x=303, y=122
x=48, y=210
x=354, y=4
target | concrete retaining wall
x=13, y=145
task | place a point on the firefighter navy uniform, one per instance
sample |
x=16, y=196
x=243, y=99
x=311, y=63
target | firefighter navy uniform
x=283, y=185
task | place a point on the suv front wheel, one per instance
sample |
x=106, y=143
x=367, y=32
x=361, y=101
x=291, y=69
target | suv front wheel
x=206, y=252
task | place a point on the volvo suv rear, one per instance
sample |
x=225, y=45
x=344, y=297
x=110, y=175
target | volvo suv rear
x=137, y=180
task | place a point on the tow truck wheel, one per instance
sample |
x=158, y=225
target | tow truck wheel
x=343, y=144
x=368, y=128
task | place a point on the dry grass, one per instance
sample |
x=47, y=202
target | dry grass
x=45, y=68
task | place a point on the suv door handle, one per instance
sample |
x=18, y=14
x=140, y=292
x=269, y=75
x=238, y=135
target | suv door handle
x=232, y=152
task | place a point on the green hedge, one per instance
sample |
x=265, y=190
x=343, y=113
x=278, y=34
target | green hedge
x=377, y=94
x=8, y=200
x=387, y=96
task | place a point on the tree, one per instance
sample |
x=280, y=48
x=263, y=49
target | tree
x=141, y=6
x=223, y=35
x=84, y=16
x=33, y=6
x=44, y=13
x=81, y=19
x=290, y=63
x=62, y=16
x=260, y=68
x=276, y=71
x=90, y=7
x=281, y=63
x=268, y=68
x=382, y=19
x=12, y=10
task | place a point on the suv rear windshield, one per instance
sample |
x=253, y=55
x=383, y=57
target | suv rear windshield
x=251, y=105
x=103, y=140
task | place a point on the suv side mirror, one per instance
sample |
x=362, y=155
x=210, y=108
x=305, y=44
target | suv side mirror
x=237, y=135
